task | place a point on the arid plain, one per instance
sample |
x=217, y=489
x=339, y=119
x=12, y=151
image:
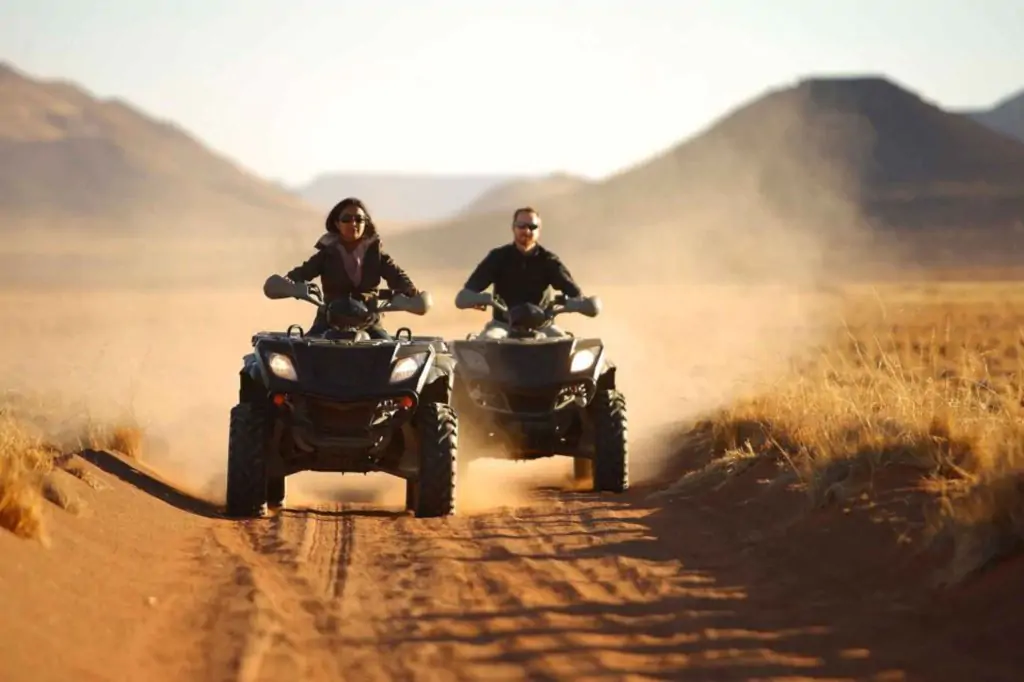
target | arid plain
x=825, y=457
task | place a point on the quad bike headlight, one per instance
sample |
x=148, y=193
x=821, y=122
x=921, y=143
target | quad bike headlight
x=406, y=367
x=282, y=367
x=582, y=360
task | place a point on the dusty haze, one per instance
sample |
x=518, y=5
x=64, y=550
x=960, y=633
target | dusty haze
x=718, y=262
x=695, y=313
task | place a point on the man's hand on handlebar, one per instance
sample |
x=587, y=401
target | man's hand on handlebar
x=490, y=301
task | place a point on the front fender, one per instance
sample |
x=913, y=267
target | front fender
x=606, y=379
x=251, y=382
x=440, y=381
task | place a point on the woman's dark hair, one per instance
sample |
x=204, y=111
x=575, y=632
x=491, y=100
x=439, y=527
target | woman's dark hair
x=349, y=202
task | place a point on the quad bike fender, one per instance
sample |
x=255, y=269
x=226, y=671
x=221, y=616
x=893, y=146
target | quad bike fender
x=606, y=378
x=251, y=379
x=252, y=367
x=439, y=382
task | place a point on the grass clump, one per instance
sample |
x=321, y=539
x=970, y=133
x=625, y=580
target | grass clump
x=930, y=383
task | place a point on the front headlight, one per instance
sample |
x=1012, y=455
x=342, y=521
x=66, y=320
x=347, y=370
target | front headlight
x=406, y=367
x=582, y=360
x=282, y=367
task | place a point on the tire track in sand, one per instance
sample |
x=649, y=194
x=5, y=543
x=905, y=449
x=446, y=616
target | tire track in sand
x=528, y=595
x=568, y=588
x=294, y=560
x=505, y=596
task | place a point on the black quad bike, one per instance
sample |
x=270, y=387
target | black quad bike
x=537, y=396
x=346, y=402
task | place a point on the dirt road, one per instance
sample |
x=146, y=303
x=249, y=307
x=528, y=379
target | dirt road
x=153, y=585
x=351, y=594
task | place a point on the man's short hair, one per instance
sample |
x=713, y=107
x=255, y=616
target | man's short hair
x=524, y=209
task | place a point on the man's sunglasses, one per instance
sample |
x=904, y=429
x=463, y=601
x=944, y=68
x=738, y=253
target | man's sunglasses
x=527, y=226
x=349, y=218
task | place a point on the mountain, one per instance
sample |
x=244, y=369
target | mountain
x=404, y=198
x=524, y=192
x=853, y=159
x=801, y=173
x=1006, y=117
x=72, y=160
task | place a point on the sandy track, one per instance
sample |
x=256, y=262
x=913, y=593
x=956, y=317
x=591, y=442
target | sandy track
x=355, y=593
x=574, y=586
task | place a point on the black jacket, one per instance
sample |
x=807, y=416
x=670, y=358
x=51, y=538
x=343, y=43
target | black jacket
x=521, y=277
x=327, y=264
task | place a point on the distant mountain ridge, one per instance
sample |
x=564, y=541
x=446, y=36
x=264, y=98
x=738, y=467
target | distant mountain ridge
x=524, y=192
x=67, y=156
x=403, y=197
x=1006, y=117
x=411, y=198
x=825, y=151
x=820, y=153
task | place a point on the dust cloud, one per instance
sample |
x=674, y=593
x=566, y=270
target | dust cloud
x=166, y=362
x=711, y=294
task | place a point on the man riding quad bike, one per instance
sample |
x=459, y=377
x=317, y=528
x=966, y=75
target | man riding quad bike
x=538, y=392
x=344, y=400
x=524, y=383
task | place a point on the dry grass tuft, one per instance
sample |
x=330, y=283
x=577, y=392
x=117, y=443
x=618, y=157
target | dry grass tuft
x=985, y=521
x=929, y=381
x=24, y=463
x=34, y=447
x=126, y=439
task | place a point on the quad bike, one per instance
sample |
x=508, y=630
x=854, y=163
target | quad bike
x=343, y=402
x=537, y=395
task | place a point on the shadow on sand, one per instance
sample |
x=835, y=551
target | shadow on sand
x=338, y=514
x=697, y=623
x=689, y=591
x=151, y=485
x=147, y=483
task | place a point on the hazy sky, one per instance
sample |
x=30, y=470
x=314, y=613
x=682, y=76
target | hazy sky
x=290, y=88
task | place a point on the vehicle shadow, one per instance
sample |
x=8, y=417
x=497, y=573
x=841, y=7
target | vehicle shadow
x=126, y=472
x=141, y=480
x=339, y=514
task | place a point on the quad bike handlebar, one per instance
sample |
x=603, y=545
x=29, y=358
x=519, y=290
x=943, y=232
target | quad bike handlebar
x=583, y=305
x=529, y=315
x=386, y=300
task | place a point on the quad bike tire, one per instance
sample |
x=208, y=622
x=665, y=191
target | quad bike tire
x=410, y=495
x=432, y=494
x=247, y=462
x=582, y=469
x=275, y=491
x=611, y=442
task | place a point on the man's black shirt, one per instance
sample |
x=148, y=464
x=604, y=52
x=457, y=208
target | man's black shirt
x=521, y=277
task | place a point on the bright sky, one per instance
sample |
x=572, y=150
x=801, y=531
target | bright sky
x=292, y=88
